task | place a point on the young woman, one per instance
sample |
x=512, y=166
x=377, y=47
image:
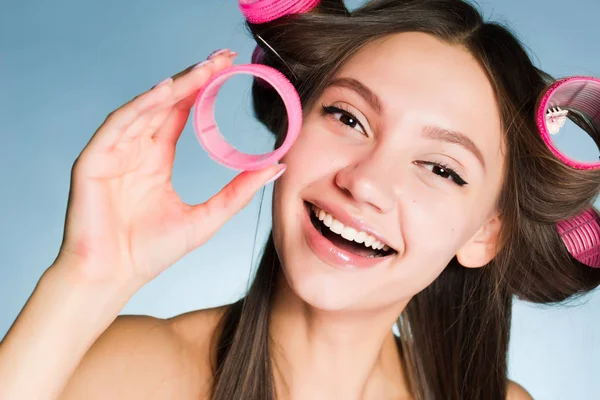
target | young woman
x=419, y=192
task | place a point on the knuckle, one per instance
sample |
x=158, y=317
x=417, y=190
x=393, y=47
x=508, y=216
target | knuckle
x=80, y=163
x=230, y=196
x=127, y=112
x=76, y=169
x=112, y=116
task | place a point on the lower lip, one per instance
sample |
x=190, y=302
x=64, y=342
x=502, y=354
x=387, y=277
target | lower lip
x=330, y=253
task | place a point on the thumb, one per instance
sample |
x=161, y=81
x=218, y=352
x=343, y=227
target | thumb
x=207, y=218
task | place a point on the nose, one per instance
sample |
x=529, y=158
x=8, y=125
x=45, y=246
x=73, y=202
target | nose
x=368, y=181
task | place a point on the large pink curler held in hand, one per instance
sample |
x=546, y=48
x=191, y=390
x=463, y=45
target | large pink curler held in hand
x=212, y=140
x=207, y=131
x=580, y=234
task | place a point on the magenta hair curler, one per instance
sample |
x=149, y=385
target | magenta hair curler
x=579, y=92
x=212, y=140
x=581, y=234
x=263, y=11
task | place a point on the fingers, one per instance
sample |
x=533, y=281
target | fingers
x=207, y=218
x=185, y=91
x=186, y=86
x=145, y=112
x=118, y=121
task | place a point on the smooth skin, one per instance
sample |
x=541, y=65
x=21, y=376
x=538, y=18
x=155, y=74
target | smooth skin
x=125, y=225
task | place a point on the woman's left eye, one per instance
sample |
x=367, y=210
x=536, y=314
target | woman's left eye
x=445, y=172
x=345, y=117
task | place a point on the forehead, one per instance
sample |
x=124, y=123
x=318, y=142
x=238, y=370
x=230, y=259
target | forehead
x=421, y=80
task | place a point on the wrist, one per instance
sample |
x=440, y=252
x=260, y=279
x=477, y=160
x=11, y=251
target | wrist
x=84, y=276
x=60, y=322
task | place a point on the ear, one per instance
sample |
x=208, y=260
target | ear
x=482, y=247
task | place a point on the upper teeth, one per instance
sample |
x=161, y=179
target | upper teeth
x=347, y=232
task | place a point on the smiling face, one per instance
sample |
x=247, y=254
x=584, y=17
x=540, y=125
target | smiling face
x=404, y=145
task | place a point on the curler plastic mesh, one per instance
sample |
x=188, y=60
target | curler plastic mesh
x=581, y=235
x=263, y=11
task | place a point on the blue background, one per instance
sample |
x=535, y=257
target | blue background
x=65, y=64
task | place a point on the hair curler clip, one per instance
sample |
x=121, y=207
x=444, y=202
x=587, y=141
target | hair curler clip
x=555, y=119
x=580, y=234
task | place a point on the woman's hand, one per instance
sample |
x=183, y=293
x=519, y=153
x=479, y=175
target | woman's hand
x=124, y=222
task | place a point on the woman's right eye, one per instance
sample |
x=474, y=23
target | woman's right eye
x=344, y=117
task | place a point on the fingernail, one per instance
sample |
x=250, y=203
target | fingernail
x=277, y=175
x=168, y=80
x=201, y=64
x=216, y=53
x=233, y=54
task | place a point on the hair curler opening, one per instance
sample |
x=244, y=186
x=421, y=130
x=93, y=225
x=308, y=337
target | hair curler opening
x=208, y=132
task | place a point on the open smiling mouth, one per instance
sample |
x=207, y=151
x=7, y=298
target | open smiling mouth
x=348, y=239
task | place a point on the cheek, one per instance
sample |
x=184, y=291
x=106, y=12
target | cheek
x=437, y=229
x=432, y=237
x=316, y=152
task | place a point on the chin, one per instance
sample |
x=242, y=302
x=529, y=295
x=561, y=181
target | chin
x=318, y=289
x=326, y=287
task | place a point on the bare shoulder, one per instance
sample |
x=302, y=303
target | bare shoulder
x=196, y=327
x=195, y=331
x=142, y=357
x=517, y=392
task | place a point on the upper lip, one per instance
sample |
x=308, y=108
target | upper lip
x=349, y=220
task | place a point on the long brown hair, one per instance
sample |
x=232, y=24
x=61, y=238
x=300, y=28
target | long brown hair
x=454, y=334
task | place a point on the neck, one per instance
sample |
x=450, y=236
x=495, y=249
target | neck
x=343, y=354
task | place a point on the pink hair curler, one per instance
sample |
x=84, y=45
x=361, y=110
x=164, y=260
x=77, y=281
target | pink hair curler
x=207, y=132
x=579, y=92
x=212, y=140
x=263, y=11
x=580, y=234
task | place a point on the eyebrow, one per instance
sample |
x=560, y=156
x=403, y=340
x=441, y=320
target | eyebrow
x=358, y=87
x=454, y=137
x=429, y=132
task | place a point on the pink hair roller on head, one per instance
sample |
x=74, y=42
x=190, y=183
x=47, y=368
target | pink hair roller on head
x=579, y=92
x=212, y=140
x=581, y=234
x=263, y=11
